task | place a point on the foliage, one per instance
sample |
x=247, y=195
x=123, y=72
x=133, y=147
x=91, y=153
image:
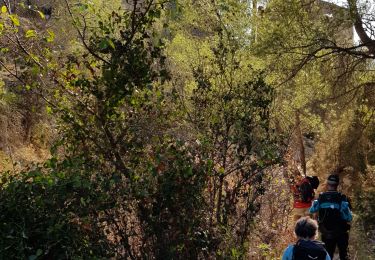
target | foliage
x=365, y=208
x=154, y=194
x=168, y=116
x=25, y=50
x=65, y=210
x=227, y=103
x=172, y=206
x=49, y=212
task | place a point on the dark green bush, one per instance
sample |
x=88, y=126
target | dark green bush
x=50, y=213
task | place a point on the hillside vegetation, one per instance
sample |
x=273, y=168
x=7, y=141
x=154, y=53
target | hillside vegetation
x=172, y=129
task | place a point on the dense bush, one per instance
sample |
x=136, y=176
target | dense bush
x=50, y=212
x=70, y=210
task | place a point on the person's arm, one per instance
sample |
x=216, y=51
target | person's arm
x=288, y=253
x=328, y=257
x=349, y=201
x=314, y=207
x=346, y=213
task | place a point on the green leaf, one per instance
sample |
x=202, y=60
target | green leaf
x=111, y=44
x=82, y=7
x=50, y=37
x=260, y=163
x=34, y=57
x=156, y=13
x=14, y=19
x=41, y=15
x=4, y=9
x=189, y=172
x=49, y=110
x=30, y=33
x=103, y=44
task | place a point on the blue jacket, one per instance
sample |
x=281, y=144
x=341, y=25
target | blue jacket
x=288, y=253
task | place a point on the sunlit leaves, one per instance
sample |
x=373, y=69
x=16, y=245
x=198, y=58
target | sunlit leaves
x=14, y=19
x=49, y=110
x=30, y=33
x=111, y=44
x=41, y=14
x=50, y=36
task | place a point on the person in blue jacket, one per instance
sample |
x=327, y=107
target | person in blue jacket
x=306, y=247
x=334, y=215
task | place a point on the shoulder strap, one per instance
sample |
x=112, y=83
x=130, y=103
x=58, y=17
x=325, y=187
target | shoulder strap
x=320, y=196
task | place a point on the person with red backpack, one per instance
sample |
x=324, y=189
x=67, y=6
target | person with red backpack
x=334, y=215
x=306, y=247
x=303, y=195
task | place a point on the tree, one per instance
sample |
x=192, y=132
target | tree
x=227, y=105
x=314, y=59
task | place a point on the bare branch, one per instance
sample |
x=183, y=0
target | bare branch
x=82, y=37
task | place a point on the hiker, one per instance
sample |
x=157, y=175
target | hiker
x=303, y=195
x=334, y=215
x=306, y=247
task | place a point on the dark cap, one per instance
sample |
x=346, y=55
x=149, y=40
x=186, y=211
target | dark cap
x=333, y=179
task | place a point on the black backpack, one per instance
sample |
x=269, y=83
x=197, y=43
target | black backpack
x=314, y=181
x=330, y=221
x=306, y=190
x=309, y=250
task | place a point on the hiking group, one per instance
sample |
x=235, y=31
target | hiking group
x=333, y=212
